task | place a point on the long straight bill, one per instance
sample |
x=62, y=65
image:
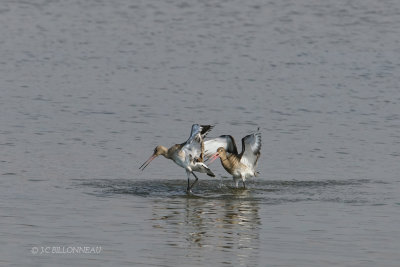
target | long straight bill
x=144, y=165
x=213, y=158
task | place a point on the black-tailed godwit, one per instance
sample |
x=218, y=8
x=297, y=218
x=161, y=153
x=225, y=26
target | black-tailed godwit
x=189, y=155
x=240, y=166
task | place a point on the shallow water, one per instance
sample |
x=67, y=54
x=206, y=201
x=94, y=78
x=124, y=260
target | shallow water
x=89, y=88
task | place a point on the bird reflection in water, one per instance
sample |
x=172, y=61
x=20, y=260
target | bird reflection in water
x=206, y=227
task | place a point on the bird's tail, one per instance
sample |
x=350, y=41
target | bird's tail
x=201, y=167
x=210, y=173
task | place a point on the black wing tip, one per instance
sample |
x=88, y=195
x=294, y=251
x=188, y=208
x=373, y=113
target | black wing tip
x=205, y=129
x=226, y=135
x=258, y=133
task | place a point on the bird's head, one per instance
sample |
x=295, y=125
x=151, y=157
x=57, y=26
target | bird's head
x=159, y=150
x=221, y=152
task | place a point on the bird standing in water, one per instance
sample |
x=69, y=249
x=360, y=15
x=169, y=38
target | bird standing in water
x=189, y=155
x=240, y=166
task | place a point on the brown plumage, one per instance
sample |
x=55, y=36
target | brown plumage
x=243, y=165
x=189, y=155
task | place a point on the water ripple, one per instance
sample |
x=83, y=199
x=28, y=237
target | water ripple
x=266, y=191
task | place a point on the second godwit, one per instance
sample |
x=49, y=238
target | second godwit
x=189, y=155
x=240, y=166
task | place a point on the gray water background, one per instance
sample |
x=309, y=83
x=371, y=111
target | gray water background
x=89, y=88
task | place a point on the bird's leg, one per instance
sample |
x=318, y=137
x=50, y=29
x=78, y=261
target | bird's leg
x=188, y=178
x=243, y=179
x=195, y=181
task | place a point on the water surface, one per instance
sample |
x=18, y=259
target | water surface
x=89, y=88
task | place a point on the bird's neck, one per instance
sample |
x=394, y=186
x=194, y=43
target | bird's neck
x=169, y=153
x=165, y=152
x=225, y=160
x=229, y=163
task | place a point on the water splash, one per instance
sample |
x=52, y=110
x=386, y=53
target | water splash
x=269, y=192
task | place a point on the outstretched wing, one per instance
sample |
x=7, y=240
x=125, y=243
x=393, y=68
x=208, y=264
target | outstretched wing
x=194, y=145
x=225, y=141
x=251, y=146
x=205, y=129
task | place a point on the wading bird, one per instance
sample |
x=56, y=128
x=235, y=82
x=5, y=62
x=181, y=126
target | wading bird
x=189, y=155
x=240, y=166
